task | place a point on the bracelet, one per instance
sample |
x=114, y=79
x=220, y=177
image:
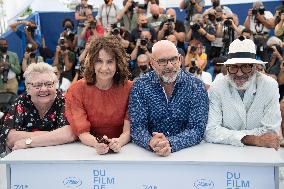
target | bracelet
x=205, y=34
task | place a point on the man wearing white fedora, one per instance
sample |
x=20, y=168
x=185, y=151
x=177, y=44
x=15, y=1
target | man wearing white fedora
x=244, y=105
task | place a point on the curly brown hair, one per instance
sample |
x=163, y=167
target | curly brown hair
x=112, y=46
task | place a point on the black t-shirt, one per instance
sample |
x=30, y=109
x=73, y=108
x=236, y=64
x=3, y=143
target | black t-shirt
x=179, y=27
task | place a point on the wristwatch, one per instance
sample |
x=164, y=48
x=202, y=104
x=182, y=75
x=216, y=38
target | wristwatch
x=29, y=142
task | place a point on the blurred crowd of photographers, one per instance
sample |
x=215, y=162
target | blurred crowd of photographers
x=202, y=38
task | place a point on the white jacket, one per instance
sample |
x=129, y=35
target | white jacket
x=231, y=118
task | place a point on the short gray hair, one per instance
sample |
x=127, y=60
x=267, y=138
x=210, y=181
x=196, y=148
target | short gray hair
x=40, y=67
x=274, y=41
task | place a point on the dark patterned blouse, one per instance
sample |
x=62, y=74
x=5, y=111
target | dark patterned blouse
x=23, y=116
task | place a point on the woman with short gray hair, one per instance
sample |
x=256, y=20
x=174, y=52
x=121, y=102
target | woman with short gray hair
x=37, y=116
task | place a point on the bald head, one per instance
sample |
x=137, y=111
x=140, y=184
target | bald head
x=163, y=46
x=154, y=9
x=143, y=59
x=257, y=4
x=173, y=39
x=171, y=12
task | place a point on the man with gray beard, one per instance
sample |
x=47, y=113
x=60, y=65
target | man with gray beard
x=168, y=107
x=243, y=105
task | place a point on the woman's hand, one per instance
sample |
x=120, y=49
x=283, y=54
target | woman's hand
x=114, y=144
x=101, y=148
x=20, y=144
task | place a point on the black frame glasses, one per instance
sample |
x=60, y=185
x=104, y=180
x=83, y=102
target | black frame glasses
x=47, y=84
x=164, y=61
x=245, y=68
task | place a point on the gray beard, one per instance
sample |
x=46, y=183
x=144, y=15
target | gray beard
x=244, y=87
x=168, y=80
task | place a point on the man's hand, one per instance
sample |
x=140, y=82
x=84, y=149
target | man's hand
x=269, y=140
x=160, y=144
x=260, y=18
x=250, y=12
x=3, y=65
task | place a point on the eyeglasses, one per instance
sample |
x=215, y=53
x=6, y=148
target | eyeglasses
x=164, y=61
x=246, y=68
x=48, y=84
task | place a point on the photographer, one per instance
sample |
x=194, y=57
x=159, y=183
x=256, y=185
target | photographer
x=80, y=16
x=30, y=57
x=275, y=54
x=203, y=32
x=142, y=24
x=123, y=36
x=194, y=68
x=260, y=21
x=172, y=26
x=128, y=15
x=64, y=59
x=191, y=7
x=279, y=20
x=143, y=45
x=156, y=18
x=108, y=13
x=195, y=50
x=69, y=33
x=231, y=31
x=9, y=68
x=216, y=3
x=92, y=28
x=27, y=34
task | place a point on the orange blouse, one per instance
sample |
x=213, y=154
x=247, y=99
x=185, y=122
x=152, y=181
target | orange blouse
x=100, y=112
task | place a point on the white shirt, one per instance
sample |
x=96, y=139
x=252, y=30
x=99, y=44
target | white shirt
x=230, y=118
x=260, y=28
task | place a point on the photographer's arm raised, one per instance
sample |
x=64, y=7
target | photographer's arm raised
x=124, y=10
x=25, y=61
x=161, y=32
x=268, y=23
x=279, y=28
x=68, y=62
x=56, y=56
x=14, y=25
x=205, y=34
x=84, y=31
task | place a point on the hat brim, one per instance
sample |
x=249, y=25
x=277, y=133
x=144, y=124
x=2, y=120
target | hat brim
x=243, y=61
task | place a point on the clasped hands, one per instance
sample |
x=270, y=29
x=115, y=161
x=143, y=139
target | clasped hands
x=160, y=144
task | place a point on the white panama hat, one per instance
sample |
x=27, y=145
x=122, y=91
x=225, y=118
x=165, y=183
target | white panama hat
x=242, y=51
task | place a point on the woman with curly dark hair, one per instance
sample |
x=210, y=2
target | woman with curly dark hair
x=96, y=106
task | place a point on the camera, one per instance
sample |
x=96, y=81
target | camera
x=115, y=29
x=228, y=22
x=62, y=43
x=144, y=41
x=211, y=17
x=193, y=49
x=69, y=33
x=133, y=5
x=142, y=6
x=30, y=50
x=92, y=24
x=260, y=10
x=195, y=26
x=30, y=28
x=193, y=69
x=270, y=50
